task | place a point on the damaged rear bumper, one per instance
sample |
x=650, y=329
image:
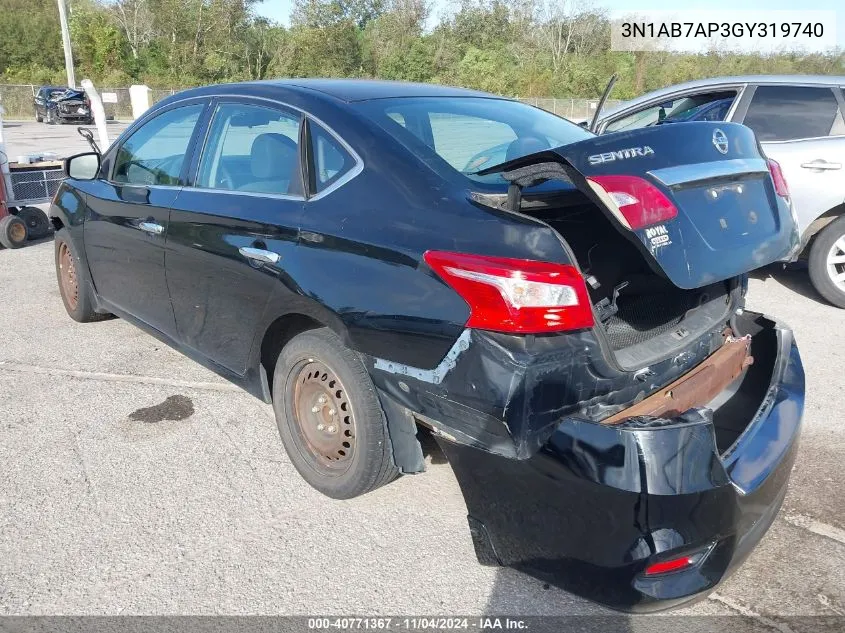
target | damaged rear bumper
x=597, y=504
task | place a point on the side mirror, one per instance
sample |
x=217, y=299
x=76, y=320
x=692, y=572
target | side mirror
x=83, y=166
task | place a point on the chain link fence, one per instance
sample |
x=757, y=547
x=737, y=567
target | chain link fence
x=573, y=109
x=17, y=99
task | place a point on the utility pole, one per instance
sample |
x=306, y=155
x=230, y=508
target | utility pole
x=71, y=77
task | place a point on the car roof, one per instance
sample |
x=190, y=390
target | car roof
x=350, y=90
x=715, y=82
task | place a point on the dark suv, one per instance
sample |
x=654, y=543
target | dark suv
x=55, y=104
x=568, y=323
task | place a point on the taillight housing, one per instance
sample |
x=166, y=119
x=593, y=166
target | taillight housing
x=518, y=296
x=781, y=188
x=634, y=201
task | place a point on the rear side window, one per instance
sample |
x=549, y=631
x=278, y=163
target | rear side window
x=331, y=160
x=252, y=149
x=784, y=113
x=708, y=106
x=155, y=152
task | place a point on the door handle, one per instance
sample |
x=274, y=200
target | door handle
x=259, y=255
x=151, y=227
x=821, y=164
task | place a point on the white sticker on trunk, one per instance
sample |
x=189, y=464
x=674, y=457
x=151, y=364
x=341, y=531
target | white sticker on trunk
x=658, y=236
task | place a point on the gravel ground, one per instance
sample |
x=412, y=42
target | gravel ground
x=105, y=512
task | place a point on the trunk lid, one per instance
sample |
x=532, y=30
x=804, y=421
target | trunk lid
x=729, y=218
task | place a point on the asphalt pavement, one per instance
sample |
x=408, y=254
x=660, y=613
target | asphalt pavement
x=133, y=481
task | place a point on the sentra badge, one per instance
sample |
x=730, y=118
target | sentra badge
x=622, y=154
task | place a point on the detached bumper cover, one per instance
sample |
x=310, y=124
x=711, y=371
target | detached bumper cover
x=598, y=503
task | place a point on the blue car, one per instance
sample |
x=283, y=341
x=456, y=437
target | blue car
x=566, y=317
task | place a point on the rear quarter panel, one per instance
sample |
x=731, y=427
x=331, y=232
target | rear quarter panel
x=813, y=192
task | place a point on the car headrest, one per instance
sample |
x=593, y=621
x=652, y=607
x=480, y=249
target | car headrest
x=526, y=145
x=273, y=156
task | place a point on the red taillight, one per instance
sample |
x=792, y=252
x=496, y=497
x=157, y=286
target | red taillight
x=516, y=295
x=634, y=201
x=666, y=566
x=781, y=188
x=678, y=564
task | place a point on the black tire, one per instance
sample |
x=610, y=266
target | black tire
x=38, y=117
x=51, y=117
x=364, y=460
x=82, y=308
x=13, y=232
x=37, y=223
x=820, y=273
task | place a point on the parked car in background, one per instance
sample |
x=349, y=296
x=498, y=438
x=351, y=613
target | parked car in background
x=799, y=121
x=570, y=326
x=57, y=104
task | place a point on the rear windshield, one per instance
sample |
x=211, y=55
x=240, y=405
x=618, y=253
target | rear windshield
x=471, y=133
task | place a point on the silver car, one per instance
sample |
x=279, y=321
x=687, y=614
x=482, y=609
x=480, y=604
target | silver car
x=799, y=122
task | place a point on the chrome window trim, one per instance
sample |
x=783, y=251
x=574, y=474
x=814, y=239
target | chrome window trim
x=682, y=174
x=253, y=194
x=352, y=173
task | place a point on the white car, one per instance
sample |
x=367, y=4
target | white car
x=799, y=122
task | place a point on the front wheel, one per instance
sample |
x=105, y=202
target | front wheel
x=74, y=288
x=329, y=416
x=51, y=117
x=38, y=117
x=827, y=262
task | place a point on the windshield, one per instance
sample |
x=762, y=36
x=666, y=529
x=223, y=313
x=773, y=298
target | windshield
x=472, y=133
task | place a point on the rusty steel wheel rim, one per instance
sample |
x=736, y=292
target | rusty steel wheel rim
x=17, y=232
x=70, y=284
x=324, y=416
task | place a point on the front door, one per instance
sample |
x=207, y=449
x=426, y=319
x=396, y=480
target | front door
x=233, y=233
x=128, y=214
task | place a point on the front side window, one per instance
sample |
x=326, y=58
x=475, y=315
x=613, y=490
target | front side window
x=331, y=160
x=785, y=113
x=155, y=152
x=472, y=133
x=709, y=106
x=253, y=149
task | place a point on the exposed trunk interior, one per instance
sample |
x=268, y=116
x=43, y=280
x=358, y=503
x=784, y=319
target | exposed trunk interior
x=643, y=315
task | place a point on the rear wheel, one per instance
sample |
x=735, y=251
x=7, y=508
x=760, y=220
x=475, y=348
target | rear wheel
x=329, y=416
x=37, y=223
x=827, y=262
x=74, y=288
x=12, y=232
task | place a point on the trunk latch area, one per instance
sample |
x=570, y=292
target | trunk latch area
x=695, y=388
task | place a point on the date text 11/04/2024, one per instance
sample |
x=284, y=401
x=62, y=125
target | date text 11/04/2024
x=416, y=623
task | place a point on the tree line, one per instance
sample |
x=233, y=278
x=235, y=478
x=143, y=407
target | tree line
x=549, y=48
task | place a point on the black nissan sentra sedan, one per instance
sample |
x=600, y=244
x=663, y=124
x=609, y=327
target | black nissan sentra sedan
x=566, y=317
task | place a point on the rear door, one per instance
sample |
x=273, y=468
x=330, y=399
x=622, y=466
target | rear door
x=697, y=198
x=129, y=210
x=233, y=232
x=802, y=128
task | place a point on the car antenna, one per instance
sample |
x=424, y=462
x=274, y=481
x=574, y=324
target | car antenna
x=88, y=135
x=600, y=106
